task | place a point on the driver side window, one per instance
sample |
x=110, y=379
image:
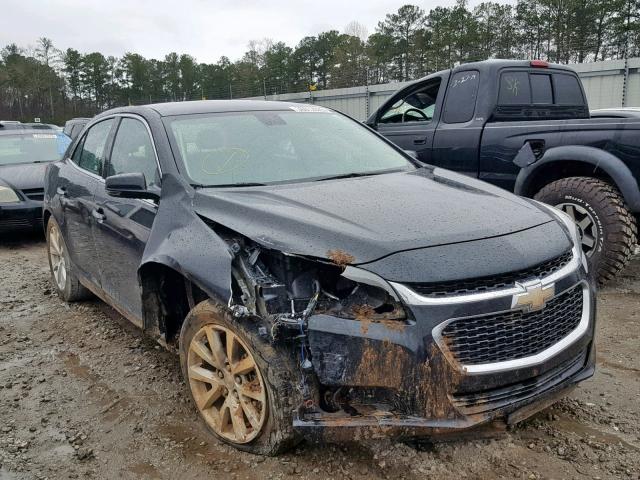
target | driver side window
x=417, y=106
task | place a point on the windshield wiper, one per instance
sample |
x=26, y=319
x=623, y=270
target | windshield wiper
x=240, y=184
x=352, y=175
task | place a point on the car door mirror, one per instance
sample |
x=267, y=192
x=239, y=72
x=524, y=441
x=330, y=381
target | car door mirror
x=129, y=185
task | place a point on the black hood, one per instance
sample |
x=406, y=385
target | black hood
x=23, y=175
x=370, y=217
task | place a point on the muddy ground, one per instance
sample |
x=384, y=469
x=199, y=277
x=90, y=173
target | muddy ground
x=84, y=395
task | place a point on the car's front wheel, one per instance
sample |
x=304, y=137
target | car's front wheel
x=243, y=386
x=63, y=277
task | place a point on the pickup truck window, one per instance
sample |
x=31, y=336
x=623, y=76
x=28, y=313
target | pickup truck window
x=460, y=104
x=529, y=88
x=514, y=89
x=417, y=106
x=541, y=92
x=567, y=90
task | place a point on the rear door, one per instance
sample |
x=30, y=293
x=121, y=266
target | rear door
x=123, y=226
x=79, y=176
x=410, y=118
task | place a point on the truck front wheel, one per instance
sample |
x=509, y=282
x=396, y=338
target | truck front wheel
x=606, y=225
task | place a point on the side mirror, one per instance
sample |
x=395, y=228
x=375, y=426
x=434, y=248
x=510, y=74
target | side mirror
x=129, y=185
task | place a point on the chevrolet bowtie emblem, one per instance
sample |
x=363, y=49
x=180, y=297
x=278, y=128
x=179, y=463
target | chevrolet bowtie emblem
x=534, y=297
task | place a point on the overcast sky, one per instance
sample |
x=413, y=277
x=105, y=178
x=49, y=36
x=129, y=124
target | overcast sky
x=205, y=29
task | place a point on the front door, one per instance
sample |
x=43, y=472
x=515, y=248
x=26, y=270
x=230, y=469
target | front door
x=122, y=229
x=410, y=119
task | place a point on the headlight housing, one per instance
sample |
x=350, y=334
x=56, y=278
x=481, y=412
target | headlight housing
x=7, y=195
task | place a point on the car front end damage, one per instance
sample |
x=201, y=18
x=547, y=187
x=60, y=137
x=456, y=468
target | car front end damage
x=380, y=357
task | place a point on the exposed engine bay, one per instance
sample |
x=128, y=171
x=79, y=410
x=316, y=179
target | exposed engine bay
x=284, y=291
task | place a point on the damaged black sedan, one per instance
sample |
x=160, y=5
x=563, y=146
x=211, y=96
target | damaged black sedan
x=316, y=281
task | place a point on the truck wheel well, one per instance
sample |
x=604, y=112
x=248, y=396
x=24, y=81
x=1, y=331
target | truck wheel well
x=167, y=298
x=553, y=171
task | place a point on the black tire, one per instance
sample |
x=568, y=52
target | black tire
x=73, y=290
x=612, y=220
x=278, y=370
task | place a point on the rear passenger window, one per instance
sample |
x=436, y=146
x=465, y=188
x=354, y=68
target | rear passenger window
x=514, y=89
x=92, y=155
x=567, y=90
x=541, y=92
x=461, y=97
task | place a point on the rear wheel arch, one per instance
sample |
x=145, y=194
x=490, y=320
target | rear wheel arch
x=579, y=161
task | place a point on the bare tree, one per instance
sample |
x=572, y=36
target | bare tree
x=48, y=55
x=356, y=29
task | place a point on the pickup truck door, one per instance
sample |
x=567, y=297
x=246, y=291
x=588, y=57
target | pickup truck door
x=409, y=118
x=457, y=139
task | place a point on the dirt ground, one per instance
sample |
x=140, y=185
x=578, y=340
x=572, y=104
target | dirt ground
x=84, y=395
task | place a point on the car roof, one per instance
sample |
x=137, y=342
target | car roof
x=209, y=106
x=77, y=120
x=29, y=131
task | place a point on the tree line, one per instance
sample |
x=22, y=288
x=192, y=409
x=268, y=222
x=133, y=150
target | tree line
x=53, y=84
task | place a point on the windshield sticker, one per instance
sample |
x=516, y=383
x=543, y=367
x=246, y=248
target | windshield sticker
x=309, y=108
x=44, y=135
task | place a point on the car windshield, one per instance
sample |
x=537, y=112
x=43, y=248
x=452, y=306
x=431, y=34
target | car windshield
x=32, y=147
x=267, y=147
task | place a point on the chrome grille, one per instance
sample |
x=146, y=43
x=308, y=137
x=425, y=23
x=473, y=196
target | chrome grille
x=515, y=334
x=494, y=282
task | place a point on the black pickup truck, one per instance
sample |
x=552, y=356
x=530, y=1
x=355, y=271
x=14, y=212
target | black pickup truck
x=525, y=126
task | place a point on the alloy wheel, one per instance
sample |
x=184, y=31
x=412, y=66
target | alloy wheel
x=57, y=257
x=226, y=384
x=586, y=226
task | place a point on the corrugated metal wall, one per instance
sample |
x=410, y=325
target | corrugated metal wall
x=612, y=83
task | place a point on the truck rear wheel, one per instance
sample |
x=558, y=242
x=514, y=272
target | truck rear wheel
x=243, y=386
x=607, y=227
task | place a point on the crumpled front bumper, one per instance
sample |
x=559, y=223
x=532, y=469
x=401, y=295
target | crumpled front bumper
x=415, y=388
